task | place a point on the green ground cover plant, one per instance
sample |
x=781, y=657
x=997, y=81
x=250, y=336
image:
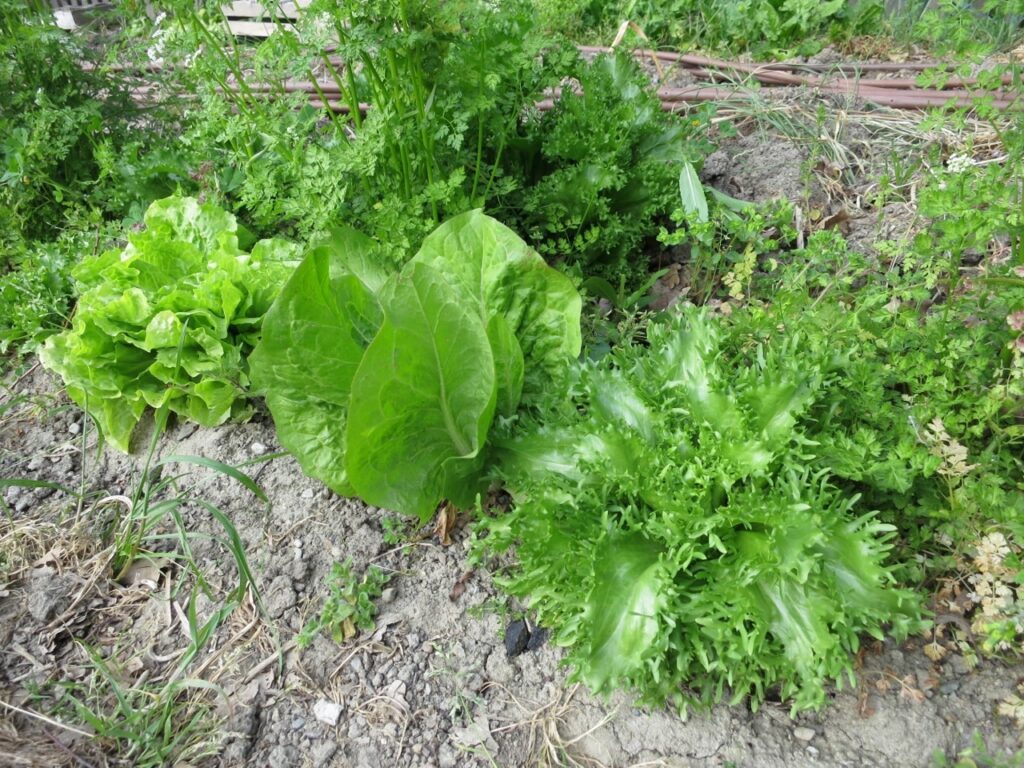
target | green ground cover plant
x=349, y=606
x=169, y=320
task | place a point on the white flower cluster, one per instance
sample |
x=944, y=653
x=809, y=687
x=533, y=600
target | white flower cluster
x=959, y=163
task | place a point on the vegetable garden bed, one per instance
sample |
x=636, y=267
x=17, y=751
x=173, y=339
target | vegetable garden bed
x=530, y=427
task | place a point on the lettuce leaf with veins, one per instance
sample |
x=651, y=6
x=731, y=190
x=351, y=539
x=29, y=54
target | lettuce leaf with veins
x=169, y=320
x=401, y=415
x=314, y=338
x=422, y=399
x=509, y=279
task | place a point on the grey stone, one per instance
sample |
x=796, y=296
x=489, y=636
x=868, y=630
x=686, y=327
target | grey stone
x=322, y=753
x=48, y=592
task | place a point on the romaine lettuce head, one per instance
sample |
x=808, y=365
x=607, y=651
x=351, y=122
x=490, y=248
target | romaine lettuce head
x=387, y=385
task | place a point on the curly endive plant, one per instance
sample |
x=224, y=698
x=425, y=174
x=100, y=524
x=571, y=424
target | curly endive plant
x=666, y=523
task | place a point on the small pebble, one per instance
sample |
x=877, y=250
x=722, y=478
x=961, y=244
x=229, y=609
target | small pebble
x=516, y=638
x=812, y=751
x=804, y=734
x=74, y=427
x=327, y=712
x=258, y=448
x=307, y=494
x=388, y=595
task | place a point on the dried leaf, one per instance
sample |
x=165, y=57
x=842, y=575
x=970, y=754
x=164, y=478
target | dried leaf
x=934, y=651
x=460, y=586
x=445, y=524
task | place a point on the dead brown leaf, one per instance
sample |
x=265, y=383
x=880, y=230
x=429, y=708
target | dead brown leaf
x=460, y=586
x=447, y=516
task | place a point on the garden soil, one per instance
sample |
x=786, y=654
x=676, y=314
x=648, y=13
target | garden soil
x=433, y=684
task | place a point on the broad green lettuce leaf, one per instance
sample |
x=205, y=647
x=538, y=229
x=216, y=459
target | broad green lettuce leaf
x=185, y=219
x=506, y=277
x=621, y=618
x=314, y=338
x=386, y=386
x=509, y=366
x=422, y=399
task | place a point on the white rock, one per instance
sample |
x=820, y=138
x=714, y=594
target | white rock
x=804, y=734
x=308, y=493
x=327, y=711
x=258, y=448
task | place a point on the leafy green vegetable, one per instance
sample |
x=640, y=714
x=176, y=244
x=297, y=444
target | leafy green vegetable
x=624, y=607
x=668, y=526
x=169, y=320
x=388, y=388
x=600, y=170
x=423, y=399
x=508, y=279
x=314, y=337
x=691, y=193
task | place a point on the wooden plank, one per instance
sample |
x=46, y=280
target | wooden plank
x=252, y=28
x=251, y=10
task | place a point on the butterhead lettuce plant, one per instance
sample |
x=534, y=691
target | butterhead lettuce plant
x=169, y=320
x=387, y=386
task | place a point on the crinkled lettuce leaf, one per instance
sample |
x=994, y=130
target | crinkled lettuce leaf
x=669, y=525
x=620, y=620
x=169, y=320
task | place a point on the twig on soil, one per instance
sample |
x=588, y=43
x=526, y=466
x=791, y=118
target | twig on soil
x=45, y=719
x=63, y=748
x=286, y=648
x=25, y=375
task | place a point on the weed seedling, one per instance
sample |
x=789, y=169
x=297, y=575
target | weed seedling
x=349, y=607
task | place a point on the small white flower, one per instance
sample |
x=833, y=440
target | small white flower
x=959, y=163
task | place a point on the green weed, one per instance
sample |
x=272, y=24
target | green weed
x=977, y=755
x=349, y=606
